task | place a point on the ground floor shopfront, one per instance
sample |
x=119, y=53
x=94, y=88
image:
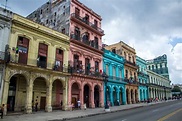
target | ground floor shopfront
x=132, y=93
x=86, y=89
x=24, y=86
x=116, y=94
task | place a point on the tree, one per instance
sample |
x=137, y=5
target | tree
x=176, y=89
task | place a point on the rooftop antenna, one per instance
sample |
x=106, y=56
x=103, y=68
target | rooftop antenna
x=5, y=6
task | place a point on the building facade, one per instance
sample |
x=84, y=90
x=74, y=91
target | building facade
x=113, y=66
x=37, y=68
x=130, y=69
x=5, y=28
x=142, y=79
x=159, y=65
x=159, y=86
x=84, y=28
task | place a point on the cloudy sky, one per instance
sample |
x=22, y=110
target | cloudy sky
x=152, y=27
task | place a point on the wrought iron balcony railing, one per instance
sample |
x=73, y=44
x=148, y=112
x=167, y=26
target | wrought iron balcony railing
x=131, y=63
x=129, y=81
x=87, y=22
x=86, y=42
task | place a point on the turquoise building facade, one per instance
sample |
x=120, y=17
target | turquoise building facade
x=142, y=79
x=113, y=66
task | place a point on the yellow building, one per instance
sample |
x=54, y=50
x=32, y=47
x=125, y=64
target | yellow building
x=130, y=69
x=37, y=68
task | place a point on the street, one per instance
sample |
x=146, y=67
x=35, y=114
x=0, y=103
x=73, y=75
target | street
x=169, y=111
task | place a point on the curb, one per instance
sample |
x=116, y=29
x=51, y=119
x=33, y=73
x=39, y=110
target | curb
x=89, y=115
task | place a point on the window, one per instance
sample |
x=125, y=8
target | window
x=55, y=13
x=86, y=19
x=96, y=43
x=107, y=69
x=114, y=50
x=126, y=74
x=63, y=30
x=41, y=11
x=77, y=33
x=95, y=23
x=77, y=12
x=114, y=71
x=96, y=66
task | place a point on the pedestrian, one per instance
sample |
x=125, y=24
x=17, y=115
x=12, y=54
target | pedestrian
x=36, y=106
x=79, y=104
x=2, y=110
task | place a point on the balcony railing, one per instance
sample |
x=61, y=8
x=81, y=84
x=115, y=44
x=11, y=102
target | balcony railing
x=131, y=63
x=142, y=74
x=14, y=58
x=130, y=81
x=88, y=72
x=118, y=79
x=87, y=22
x=86, y=42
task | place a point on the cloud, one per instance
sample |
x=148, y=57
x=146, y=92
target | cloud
x=150, y=26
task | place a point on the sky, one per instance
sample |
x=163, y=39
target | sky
x=152, y=27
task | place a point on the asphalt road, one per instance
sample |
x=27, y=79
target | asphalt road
x=168, y=111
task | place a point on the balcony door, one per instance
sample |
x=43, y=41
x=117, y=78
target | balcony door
x=22, y=45
x=59, y=59
x=42, y=55
x=87, y=66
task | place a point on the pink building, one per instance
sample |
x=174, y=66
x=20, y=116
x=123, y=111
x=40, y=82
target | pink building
x=84, y=28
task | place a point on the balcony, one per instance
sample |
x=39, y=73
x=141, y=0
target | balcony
x=131, y=63
x=131, y=81
x=87, y=24
x=88, y=43
x=38, y=63
x=116, y=79
x=142, y=74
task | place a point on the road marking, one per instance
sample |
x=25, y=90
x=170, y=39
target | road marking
x=169, y=115
x=123, y=120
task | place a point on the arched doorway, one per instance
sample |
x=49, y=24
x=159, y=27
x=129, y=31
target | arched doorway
x=57, y=95
x=17, y=93
x=75, y=94
x=114, y=96
x=86, y=95
x=39, y=93
x=96, y=96
x=127, y=96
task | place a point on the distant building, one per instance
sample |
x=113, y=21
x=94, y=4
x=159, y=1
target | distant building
x=5, y=28
x=159, y=65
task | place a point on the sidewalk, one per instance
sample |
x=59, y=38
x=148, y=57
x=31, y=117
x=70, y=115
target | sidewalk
x=59, y=115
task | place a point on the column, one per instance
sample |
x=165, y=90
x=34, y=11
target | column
x=117, y=92
x=110, y=70
x=49, y=98
x=28, y=107
x=111, y=97
x=5, y=95
x=117, y=71
x=91, y=101
x=101, y=101
x=124, y=97
x=66, y=96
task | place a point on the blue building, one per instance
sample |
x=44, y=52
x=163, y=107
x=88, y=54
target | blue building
x=113, y=66
x=142, y=78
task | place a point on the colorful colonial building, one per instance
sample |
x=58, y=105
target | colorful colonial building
x=142, y=79
x=5, y=28
x=130, y=68
x=113, y=65
x=85, y=58
x=36, y=71
x=159, y=86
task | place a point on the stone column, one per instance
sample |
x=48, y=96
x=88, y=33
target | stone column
x=5, y=95
x=101, y=101
x=91, y=101
x=48, y=107
x=111, y=97
x=65, y=95
x=124, y=97
x=28, y=107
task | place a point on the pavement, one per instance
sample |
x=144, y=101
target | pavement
x=65, y=115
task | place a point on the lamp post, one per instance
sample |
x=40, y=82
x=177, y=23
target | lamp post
x=104, y=75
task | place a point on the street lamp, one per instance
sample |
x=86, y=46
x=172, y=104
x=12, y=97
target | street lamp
x=105, y=76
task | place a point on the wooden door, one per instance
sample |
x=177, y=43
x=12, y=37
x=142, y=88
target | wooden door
x=42, y=102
